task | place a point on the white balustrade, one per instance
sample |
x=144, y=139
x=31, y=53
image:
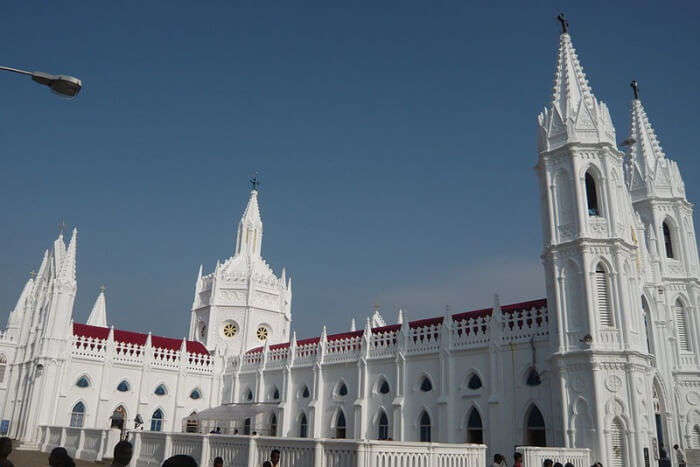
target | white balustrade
x=536, y=456
x=82, y=443
x=150, y=448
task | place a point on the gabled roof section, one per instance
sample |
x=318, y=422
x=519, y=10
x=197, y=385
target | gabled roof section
x=98, y=315
x=137, y=338
x=473, y=314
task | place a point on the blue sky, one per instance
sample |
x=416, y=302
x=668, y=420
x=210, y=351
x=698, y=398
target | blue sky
x=395, y=143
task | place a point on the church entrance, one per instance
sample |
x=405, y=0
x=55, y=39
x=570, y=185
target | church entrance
x=118, y=418
x=659, y=417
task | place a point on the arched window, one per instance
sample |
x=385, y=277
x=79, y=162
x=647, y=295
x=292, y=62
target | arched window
x=249, y=395
x=533, y=377
x=592, y=195
x=77, y=415
x=246, y=426
x=157, y=420
x=192, y=423
x=668, y=241
x=3, y=365
x=382, y=425
x=83, y=382
x=384, y=387
x=195, y=394
x=275, y=394
x=118, y=418
x=426, y=385
x=602, y=295
x=340, y=425
x=303, y=426
x=160, y=390
x=305, y=393
x=123, y=386
x=682, y=327
x=424, y=427
x=474, y=382
x=342, y=389
x=618, y=451
x=273, y=425
x=475, y=429
x=695, y=437
x=535, y=434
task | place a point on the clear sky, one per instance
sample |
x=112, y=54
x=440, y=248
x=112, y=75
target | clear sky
x=395, y=142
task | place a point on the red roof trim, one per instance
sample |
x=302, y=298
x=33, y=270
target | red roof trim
x=512, y=308
x=137, y=338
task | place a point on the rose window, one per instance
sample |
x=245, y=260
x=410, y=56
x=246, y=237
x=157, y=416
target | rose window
x=230, y=329
x=262, y=333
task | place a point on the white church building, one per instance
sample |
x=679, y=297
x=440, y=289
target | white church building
x=609, y=360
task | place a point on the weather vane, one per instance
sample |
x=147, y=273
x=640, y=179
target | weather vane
x=255, y=182
x=564, y=23
x=635, y=88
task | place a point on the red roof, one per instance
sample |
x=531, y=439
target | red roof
x=129, y=337
x=512, y=308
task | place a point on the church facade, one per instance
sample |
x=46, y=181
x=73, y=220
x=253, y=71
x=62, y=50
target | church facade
x=608, y=360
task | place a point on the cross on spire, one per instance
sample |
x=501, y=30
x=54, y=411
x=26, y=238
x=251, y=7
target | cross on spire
x=255, y=182
x=61, y=227
x=564, y=23
x=33, y=274
x=635, y=88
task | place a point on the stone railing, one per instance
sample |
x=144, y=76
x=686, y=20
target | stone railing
x=519, y=323
x=151, y=449
x=89, y=444
x=89, y=348
x=536, y=456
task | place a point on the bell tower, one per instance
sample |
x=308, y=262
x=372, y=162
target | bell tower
x=591, y=259
x=242, y=304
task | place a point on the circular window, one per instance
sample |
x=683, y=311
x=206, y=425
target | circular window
x=262, y=333
x=230, y=329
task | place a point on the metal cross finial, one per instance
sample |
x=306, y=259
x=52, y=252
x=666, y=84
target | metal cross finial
x=61, y=227
x=103, y=288
x=564, y=23
x=635, y=88
x=33, y=274
x=255, y=182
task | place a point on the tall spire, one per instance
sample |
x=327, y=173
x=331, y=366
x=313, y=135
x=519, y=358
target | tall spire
x=648, y=170
x=250, y=227
x=574, y=115
x=67, y=271
x=98, y=315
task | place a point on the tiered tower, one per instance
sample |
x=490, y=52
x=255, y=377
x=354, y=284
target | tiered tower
x=242, y=304
x=593, y=270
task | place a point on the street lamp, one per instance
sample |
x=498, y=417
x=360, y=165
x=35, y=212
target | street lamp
x=63, y=85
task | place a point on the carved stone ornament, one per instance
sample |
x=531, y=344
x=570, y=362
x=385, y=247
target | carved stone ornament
x=613, y=383
x=693, y=398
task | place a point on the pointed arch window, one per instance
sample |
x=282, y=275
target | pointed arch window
x=533, y=377
x=83, y=382
x=303, y=426
x=77, y=415
x=273, y=425
x=426, y=385
x=305, y=393
x=3, y=366
x=592, y=195
x=249, y=395
x=475, y=429
x=618, y=449
x=382, y=426
x=160, y=390
x=246, y=426
x=535, y=433
x=123, y=386
x=682, y=327
x=195, y=394
x=474, y=382
x=668, y=240
x=342, y=389
x=340, y=425
x=424, y=427
x=646, y=314
x=602, y=295
x=384, y=387
x=275, y=393
x=157, y=420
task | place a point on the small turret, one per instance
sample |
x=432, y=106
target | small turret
x=98, y=315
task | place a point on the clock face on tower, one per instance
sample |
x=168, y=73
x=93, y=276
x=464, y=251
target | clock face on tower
x=229, y=329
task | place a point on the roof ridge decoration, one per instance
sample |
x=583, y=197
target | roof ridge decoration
x=574, y=114
x=98, y=315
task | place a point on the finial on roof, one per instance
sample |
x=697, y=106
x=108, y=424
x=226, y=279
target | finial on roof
x=353, y=326
x=103, y=288
x=496, y=300
x=32, y=274
x=564, y=23
x=61, y=227
x=255, y=182
x=399, y=319
x=635, y=89
x=376, y=306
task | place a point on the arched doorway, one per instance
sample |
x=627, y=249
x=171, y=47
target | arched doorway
x=118, y=418
x=660, y=415
x=475, y=429
x=535, y=431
